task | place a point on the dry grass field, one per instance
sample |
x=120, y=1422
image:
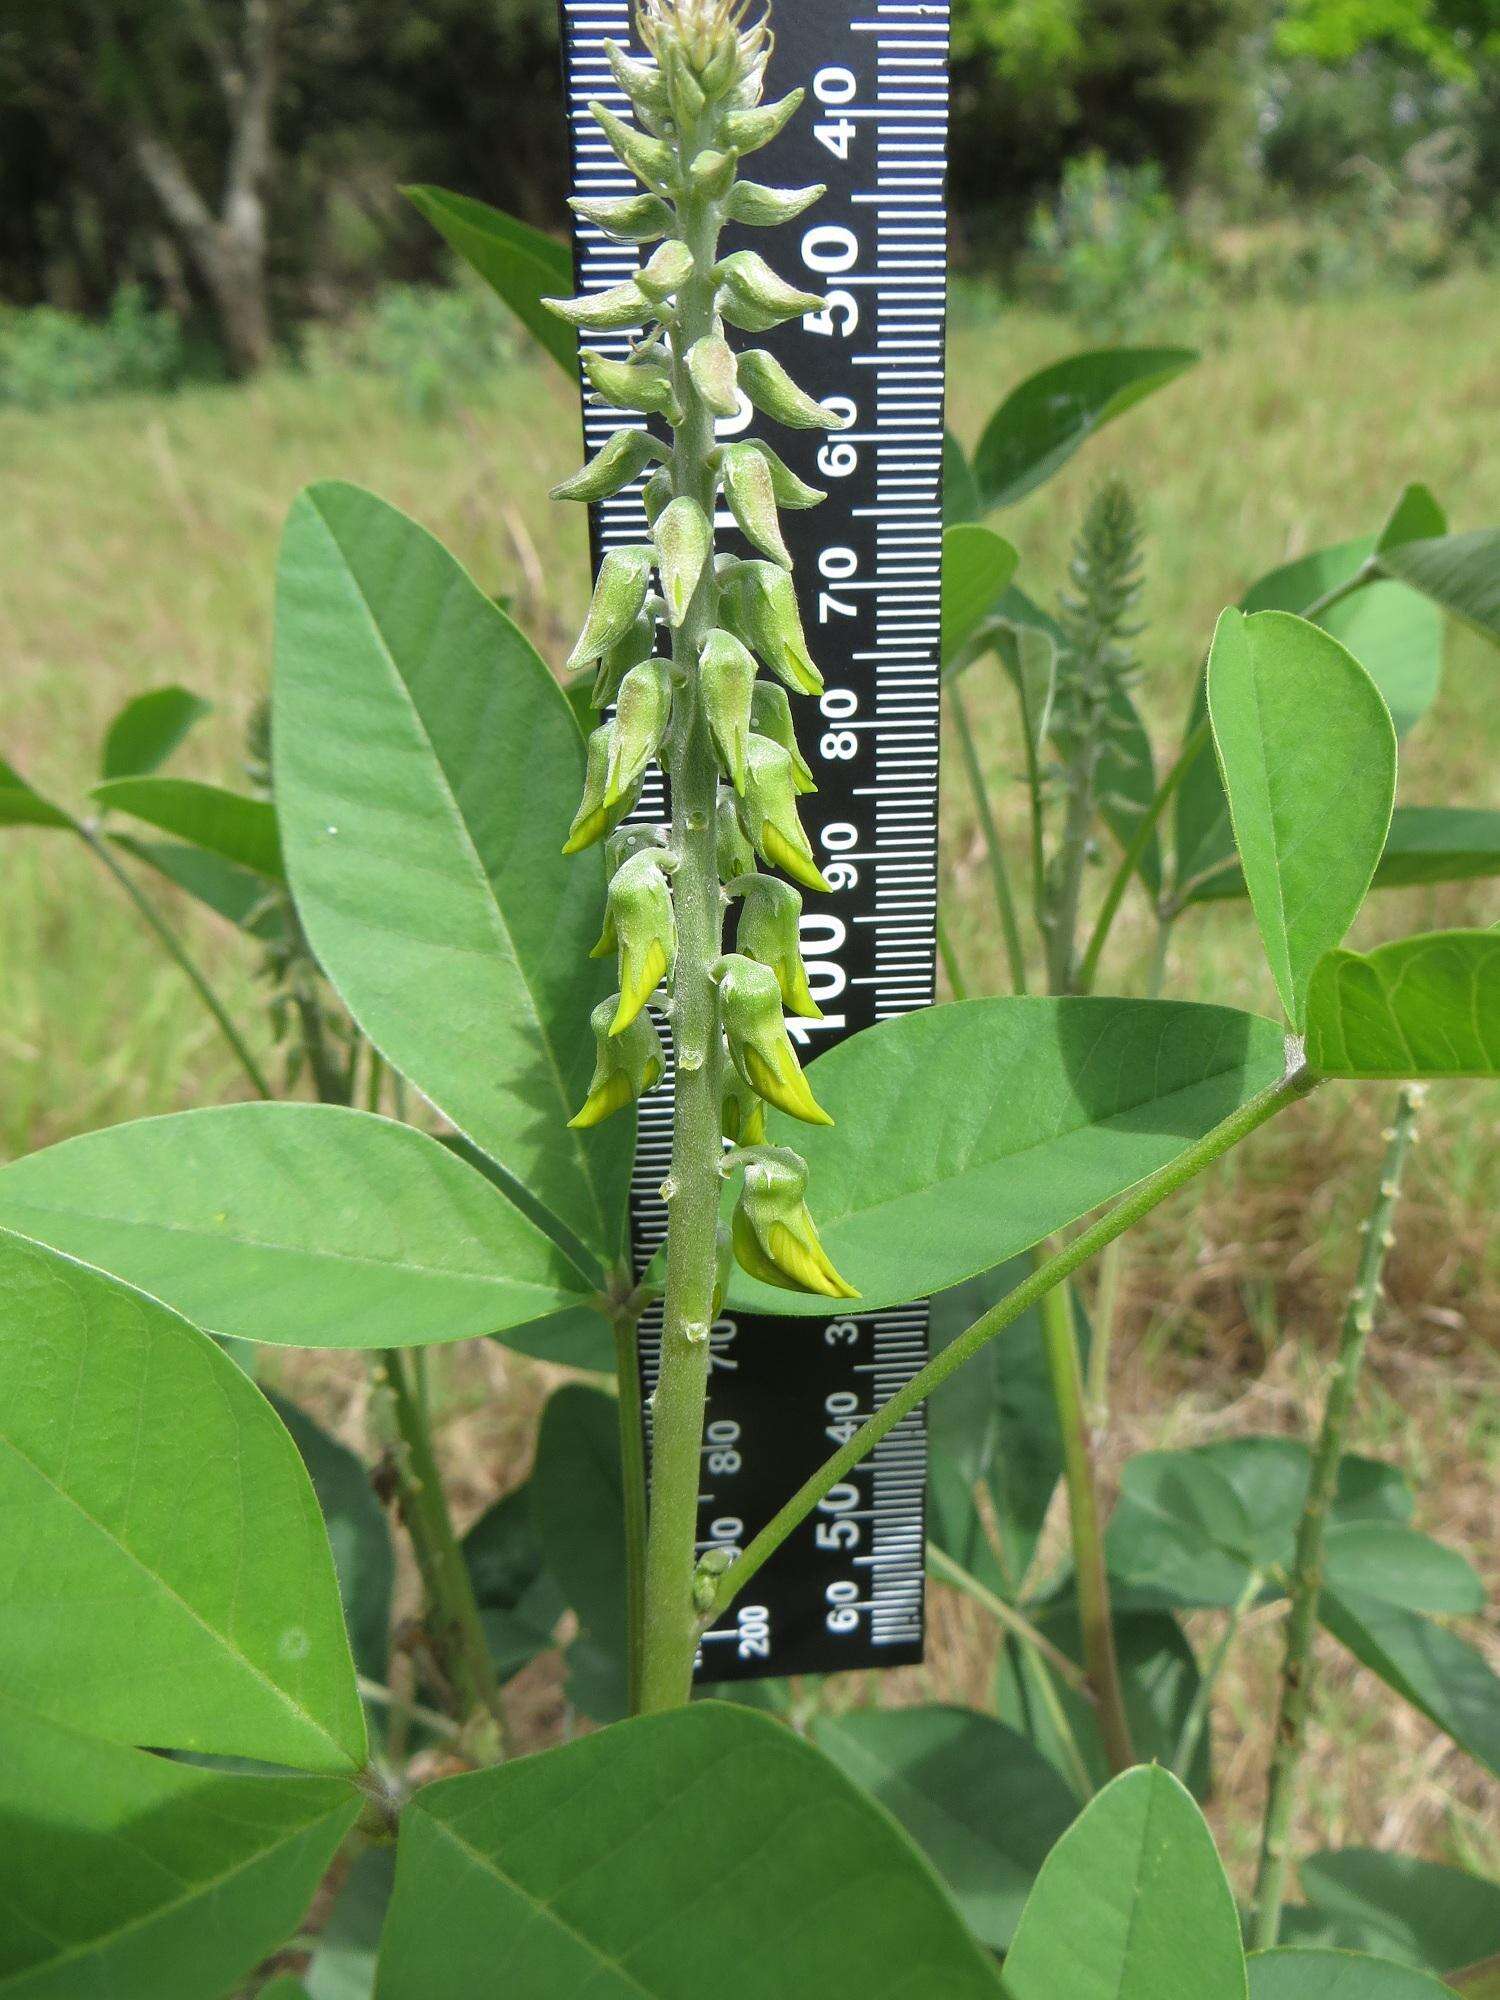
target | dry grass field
x=139, y=547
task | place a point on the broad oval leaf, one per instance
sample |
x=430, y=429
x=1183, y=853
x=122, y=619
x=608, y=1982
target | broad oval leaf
x=519, y=1600
x=130, y=1876
x=148, y=729
x=1308, y=756
x=165, y=1572
x=1459, y=572
x=978, y=565
x=229, y=824
x=1398, y=1906
x=1400, y=1566
x=960, y=494
x=966, y=1133
x=1302, y=1973
x=1425, y=1006
x=359, y=1535
x=1439, y=1673
x=240, y=897
x=704, y=1850
x=578, y=1511
x=304, y=1225
x=21, y=804
x=427, y=766
x=1180, y=1533
x=1426, y=844
x=1132, y=1905
x=984, y=1806
x=1044, y=420
x=520, y=263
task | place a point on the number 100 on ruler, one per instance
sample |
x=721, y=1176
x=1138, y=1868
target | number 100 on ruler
x=846, y=1590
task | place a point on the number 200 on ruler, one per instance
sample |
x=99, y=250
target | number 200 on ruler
x=846, y=1590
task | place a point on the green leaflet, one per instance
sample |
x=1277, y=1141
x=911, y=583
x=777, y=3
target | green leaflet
x=1043, y=421
x=1439, y=1673
x=1425, y=1006
x=1459, y=572
x=1131, y=1905
x=165, y=1572
x=236, y=828
x=961, y=500
x=147, y=730
x=1400, y=1907
x=1308, y=755
x=304, y=1225
x=1426, y=844
x=128, y=1877
x=520, y=263
x=359, y=1535
x=578, y=1512
x=707, y=1849
x=1015, y=1117
x=22, y=805
x=977, y=566
x=984, y=1806
x=1295, y=1974
x=426, y=763
x=519, y=1600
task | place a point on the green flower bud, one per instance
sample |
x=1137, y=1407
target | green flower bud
x=625, y=1066
x=623, y=845
x=684, y=539
x=688, y=100
x=656, y=498
x=594, y=819
x=775, y=1238
x=622, y=461
x=752, y=500
x=770, y=809
x=638, y=644
x=759, y=1045
x=650, y=160
x=631, y=218
x=773, y=392
x=765, y=207
x=639, y=911
x=768, y=932
x=603, y=312
x=666, y=272
x=632, y=385
x=771, y=715
x=753, y=297
x=726, y=676
x=643, y=714
x=642, y=83
x=748, y=131
x=711, y=364
x=789, y=491
x=736, y=856
x=744, y=1114
x=712, y=173
x=619, y=596
x=760, y=607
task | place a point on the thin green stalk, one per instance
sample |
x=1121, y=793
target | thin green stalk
x=1368, y=572
x=453, y=1610
x=1085, y=1522
x=1307, y=1570
x=670, y=1618
x=415, y=1711
x=958, y=985
x=1048, y=1660
x=1130, y=860
x=1141, y=1200
x=99, y=847
x=1196, y=1720
x=1005, y=902
x=624, y=1323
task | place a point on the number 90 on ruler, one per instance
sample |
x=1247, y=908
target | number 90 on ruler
x=846, y=1590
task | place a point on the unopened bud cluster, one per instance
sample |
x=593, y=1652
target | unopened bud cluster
x=698, y=110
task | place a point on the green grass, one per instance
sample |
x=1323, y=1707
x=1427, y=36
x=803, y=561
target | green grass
x=140, y=549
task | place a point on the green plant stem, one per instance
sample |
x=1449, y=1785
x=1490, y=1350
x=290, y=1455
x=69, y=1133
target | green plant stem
x=1005, y=901
x=453, y=1610
x=1130, y=860
x=1368, y=572
x=1196, y=1720
x=1149, y=1194
x=415, y=1711
x=670, y=1618
x=624, y=1323
x=99, y=848
x=1048, y=1659
x=958, y=985
x=1307, y=1569
x=1086, y=1527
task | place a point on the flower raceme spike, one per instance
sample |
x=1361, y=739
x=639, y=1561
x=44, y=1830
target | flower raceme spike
x=770, y=815
x=640, y=916
x=626, y=1066
x=769, y=932
x=771, y=715
x=750, y=1011
x=774, y=1236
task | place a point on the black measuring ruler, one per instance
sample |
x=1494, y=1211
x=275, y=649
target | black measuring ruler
x=846, y=1590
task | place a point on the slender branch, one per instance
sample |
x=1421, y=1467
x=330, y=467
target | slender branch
x=958, y=985
x=1005, y=901
x=1307, y=1572
x=1124, y=1215
x=1368, y=572
x=1060, y=1341
x=1130, y=860
x=399, y=1704
x=177, y=952
x=1015, y=1622
x=1196, y=1720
